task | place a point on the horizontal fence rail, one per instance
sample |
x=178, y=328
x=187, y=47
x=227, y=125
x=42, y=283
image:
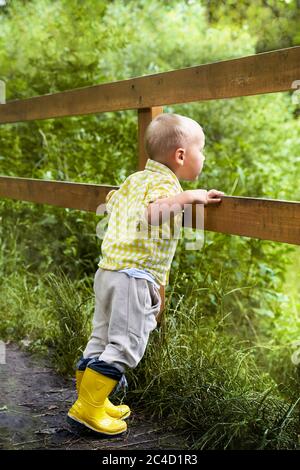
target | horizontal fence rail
x=267, y=72
x=266, y=219
x=81, y=196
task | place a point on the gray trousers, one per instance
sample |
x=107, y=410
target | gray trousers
x=124, y=316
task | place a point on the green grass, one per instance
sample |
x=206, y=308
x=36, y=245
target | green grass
x=48, y=311
x=220, y=375
x=207, y=382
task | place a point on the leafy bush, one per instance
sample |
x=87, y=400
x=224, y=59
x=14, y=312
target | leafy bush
x=224, y=353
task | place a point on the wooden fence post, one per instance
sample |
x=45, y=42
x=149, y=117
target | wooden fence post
x=145, y=116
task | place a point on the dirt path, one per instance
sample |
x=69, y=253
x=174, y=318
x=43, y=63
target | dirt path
x=34, y=401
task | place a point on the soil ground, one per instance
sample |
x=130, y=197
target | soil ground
x=34, y=401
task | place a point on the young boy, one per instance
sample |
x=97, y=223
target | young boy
x=133, y=266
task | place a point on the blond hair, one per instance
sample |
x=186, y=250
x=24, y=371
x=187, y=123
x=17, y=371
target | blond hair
x=167, y=132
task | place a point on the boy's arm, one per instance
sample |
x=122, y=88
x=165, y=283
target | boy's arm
x=164, y=209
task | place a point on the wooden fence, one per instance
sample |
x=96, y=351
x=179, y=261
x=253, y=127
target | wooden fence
x=267, y=72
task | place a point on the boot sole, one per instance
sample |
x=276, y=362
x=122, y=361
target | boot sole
x=71, y=419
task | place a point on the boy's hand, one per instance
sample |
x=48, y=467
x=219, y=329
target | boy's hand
x=214, y=196
x=202, y=196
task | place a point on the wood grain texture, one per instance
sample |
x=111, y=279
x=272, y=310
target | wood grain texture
x=267, y=72
x=267, y=219
x=82, y=196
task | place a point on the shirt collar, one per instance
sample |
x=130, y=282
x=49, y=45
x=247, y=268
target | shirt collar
x=153, y=165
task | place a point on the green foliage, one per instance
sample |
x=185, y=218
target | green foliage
x=72, y=317
x=223, y=358
x=24, y=311
x=209, y=385
x=274, y=23
x=50, y=313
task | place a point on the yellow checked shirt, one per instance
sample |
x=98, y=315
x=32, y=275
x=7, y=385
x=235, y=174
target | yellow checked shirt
x=129, y=240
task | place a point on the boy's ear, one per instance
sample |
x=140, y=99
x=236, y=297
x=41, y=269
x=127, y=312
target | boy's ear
x=180, y=155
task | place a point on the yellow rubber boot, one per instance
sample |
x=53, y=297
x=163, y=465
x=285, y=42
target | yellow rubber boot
x=89, y=408
x=119, y=411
